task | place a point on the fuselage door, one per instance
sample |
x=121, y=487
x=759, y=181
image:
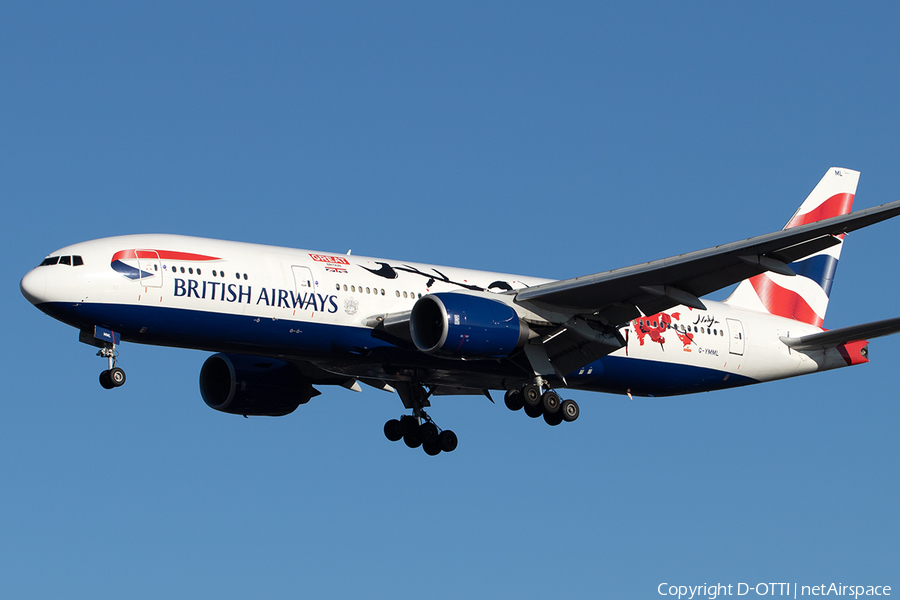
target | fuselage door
x=735, y=337
x=149, y=267
x=303, y=280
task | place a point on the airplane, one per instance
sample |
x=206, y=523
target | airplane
x=282, y=321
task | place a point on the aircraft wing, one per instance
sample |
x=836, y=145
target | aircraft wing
x=580, y=317
x=613, y=298
x=836, y=337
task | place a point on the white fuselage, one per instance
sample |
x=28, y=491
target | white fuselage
x=321, y=308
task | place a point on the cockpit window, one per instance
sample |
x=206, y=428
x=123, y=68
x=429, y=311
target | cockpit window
x=72, y=261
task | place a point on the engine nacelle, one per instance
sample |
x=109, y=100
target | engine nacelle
x=252, y=385
x=466, y=327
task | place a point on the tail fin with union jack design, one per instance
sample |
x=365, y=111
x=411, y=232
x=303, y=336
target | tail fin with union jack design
x=804, y=297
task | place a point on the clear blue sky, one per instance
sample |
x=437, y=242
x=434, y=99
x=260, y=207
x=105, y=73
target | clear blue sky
x=553, y=139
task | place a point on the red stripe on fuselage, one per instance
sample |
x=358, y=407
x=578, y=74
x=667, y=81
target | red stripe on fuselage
x=163, y=254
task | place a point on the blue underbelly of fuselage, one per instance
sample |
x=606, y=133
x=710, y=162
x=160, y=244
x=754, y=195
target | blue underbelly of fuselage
x=358, y=351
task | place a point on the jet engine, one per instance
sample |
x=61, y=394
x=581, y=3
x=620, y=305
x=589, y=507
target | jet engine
x=252, y=385
x=464, y=326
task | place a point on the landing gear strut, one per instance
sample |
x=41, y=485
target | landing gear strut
x=419, y=429
x=113, y=377
x=537, y=403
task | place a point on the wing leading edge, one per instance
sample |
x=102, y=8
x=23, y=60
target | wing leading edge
x=615, y=297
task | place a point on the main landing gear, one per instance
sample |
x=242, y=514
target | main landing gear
x=418, y=429
x=537, y=403
x=113, y=377
x=421, y=431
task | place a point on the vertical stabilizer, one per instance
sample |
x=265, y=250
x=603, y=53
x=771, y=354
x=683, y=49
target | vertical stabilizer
x=804, y=297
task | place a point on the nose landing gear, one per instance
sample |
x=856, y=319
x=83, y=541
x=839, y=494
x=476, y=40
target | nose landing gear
x=113, y=377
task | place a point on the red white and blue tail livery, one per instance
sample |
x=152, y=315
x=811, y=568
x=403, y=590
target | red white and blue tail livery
x=804, y=297
x=283, y=321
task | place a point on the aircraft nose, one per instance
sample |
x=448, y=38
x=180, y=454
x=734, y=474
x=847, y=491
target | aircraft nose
x=34, y=286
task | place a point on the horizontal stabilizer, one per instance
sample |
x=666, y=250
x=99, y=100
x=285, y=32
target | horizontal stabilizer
x=836, y=337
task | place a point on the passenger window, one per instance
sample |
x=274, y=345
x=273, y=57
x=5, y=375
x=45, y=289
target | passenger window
x=214, y=272
x=191, y=270
x=65, y=260
x=245, y=277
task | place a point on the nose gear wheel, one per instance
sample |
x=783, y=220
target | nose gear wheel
x=114, y=376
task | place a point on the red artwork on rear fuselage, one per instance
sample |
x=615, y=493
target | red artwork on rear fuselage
x=655, y=327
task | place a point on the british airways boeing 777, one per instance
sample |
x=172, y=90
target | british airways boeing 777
x=282, y=321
